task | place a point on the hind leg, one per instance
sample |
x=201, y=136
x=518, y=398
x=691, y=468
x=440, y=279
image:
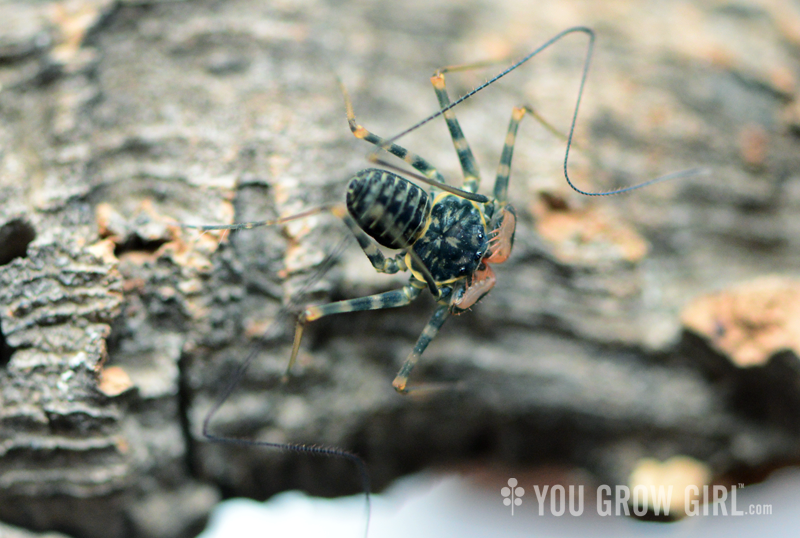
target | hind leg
x=389, y=299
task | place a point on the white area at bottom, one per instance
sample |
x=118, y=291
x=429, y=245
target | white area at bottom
x=434, y=506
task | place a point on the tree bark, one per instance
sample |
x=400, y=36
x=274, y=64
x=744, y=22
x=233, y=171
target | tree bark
x=120, y=329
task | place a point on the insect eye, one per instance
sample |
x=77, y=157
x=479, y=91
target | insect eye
x=462, y=270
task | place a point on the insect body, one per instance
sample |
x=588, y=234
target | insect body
x=447, y=239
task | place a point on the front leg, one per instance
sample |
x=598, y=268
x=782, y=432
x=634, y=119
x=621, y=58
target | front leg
x=428, y=333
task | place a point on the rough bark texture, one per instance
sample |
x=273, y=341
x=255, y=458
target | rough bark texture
x=119, y=330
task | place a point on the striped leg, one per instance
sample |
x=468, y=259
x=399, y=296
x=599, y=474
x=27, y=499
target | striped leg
x=389, y=299
x=413, y=159
x=430, y=175
x=469, y=166
x=428, y=333
x=504, y=170
x=260, y=223
x=379, y=261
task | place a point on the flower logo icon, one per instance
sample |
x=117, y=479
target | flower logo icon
x=512, y=494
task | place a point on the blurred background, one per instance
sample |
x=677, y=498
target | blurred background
x=645, y=339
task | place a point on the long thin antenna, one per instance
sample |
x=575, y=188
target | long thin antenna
x=584, y=74
x=255, y=350
x=558, y=36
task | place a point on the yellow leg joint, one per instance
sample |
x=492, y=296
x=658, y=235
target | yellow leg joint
x=298, y=336
x=312, y=313
x=399, y=384
x=438, y=81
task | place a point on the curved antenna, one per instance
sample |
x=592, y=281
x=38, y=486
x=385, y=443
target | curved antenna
x=315, y=450
x=584, y=75
x=557, y=37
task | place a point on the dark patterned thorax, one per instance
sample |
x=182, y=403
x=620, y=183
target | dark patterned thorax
x=389, y=208
x=455, y=241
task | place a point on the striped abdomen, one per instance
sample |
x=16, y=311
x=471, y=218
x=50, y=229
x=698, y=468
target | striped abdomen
x=389, y=208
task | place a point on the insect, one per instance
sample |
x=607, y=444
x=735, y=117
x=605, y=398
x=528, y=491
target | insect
x=447, y=239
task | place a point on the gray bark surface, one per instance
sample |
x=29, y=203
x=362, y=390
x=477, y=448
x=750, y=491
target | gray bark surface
x=120, y=329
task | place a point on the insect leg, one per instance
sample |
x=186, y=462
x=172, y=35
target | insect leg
x=504, y=170
x=472, y=177
x=575, y=29
x=426, y=168
x=428, y=333
x=446, y=106
x=389, y=299
x=430, y=175
x=258, y=223
x=379, y=261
